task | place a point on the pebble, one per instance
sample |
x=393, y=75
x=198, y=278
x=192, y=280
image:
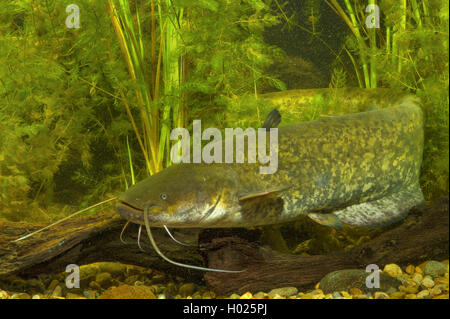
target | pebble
x=186, y=289
x=344, y=280
x=247, y=295
x=435, y=291
x=285, y=291
x=392, y=270
x=355, y=291
x=405, y=279
x=197, y=295
x=434, y=268
x=115, y=269
x=427, y=282
x=259, y=295
x=345, y=294
x=423, y=294
x=104, y=279
x=411, y=289
x=381, y=295
x=410, y=269
x=3, y=294
x=20, y=295
x=57, y=292
x=397, y=295
x=417, y=278
x=209, y=295
x=312, y=295
x=90, y=294
x=128, y=292
x=336, y=295
x=442, y=280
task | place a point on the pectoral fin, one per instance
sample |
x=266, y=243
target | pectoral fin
x=264, y=194
x=326, y=219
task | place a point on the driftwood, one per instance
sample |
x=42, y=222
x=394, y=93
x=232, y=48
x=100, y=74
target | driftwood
x=422, y=235
x=90, y=239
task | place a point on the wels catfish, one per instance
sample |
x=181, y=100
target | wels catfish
x=359, y=169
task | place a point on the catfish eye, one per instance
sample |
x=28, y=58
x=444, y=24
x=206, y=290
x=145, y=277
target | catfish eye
x=163, y=196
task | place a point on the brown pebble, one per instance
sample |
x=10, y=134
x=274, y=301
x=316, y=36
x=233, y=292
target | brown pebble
x=355, y=291
x=411, y=289
x=128, y=292
x=397, y=295
x=392, y=270
x=410, y=269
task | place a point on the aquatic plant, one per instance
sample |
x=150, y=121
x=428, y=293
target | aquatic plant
x=68, y=99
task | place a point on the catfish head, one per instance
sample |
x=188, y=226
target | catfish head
x=183, y=195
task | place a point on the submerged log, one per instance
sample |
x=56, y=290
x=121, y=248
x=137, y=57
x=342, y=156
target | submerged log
x=422, y=235
x=89, y=239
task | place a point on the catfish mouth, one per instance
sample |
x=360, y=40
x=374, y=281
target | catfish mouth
x=130, y=212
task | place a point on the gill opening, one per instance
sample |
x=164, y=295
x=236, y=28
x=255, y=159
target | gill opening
x=152, y=241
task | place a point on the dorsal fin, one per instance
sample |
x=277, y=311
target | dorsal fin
x=272, y=119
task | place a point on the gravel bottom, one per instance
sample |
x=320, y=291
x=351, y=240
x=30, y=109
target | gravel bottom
x=106, y=280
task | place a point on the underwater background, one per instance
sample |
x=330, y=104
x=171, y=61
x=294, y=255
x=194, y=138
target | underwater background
x=90, y=91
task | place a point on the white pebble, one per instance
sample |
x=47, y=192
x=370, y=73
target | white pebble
x=427, y=282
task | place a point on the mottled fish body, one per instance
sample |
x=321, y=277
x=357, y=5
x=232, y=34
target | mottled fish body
x=359, y=169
